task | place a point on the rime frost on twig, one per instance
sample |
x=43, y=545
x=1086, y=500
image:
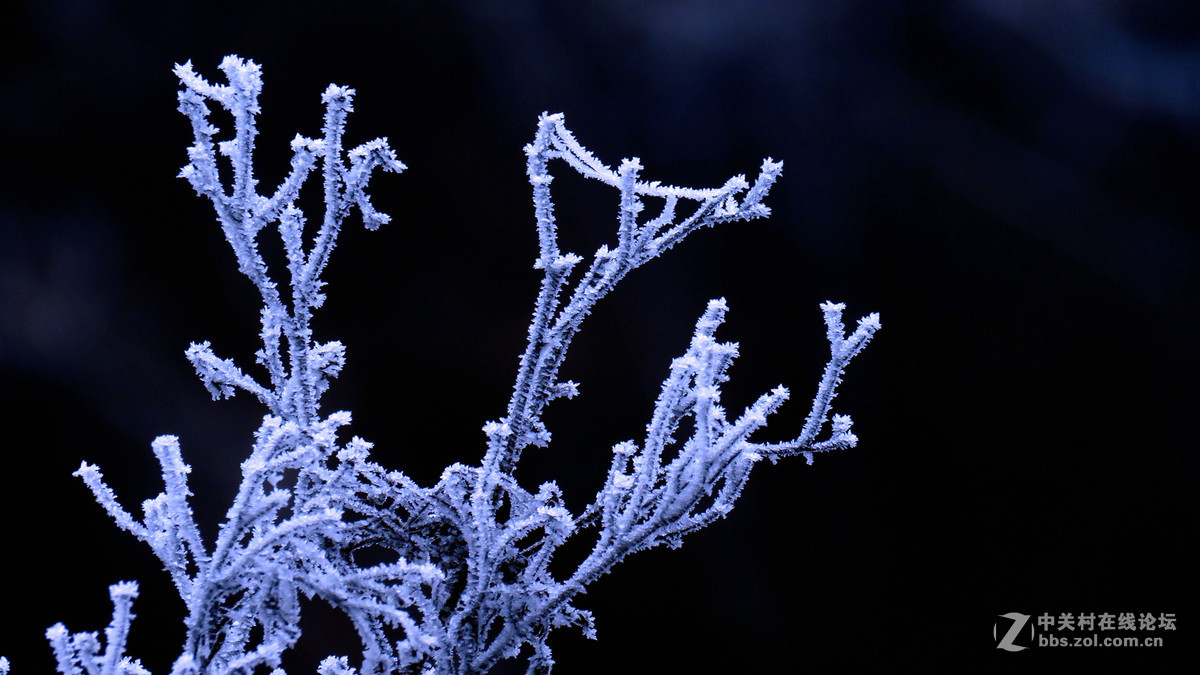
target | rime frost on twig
x=295, y=522
x=466, y=579
x=81, y=653
x=650, y=496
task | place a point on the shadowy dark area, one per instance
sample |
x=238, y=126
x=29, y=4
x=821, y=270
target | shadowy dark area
x=1012, y=184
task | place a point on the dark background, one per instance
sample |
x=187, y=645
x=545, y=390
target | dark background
x=1011, y=183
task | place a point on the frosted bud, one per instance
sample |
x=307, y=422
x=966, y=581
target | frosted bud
x=496, y=430
x=123, y=589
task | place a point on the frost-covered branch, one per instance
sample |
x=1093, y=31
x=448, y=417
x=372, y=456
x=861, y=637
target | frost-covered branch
x=449, y=579
x=555, y=323
x=297, y=383
x=654, y=493
x=651, y=497
x=81, y=653
x=285, y=533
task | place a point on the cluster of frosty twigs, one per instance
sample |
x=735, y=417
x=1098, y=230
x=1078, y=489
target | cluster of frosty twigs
x=467, y=580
